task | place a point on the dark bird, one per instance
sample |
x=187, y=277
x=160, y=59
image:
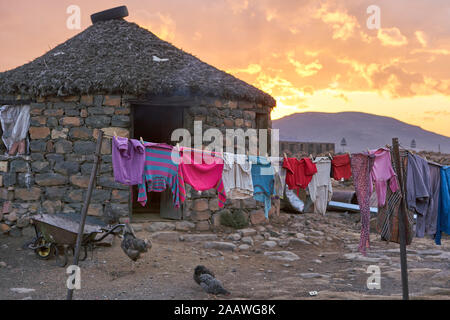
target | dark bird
x=133, y=246
x=199, y=270
x=206, y=279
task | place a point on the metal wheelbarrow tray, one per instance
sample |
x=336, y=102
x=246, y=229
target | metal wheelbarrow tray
x=57, y=233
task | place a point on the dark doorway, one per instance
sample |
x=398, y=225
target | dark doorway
x=155, y=124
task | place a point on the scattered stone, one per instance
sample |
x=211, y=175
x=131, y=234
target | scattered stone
x=184, y=226
x=198, y=237
x=247, y=232
x=3, y=264
x=317, y=261
x=269, y=244
x=310, y=275
x=234, y=237
x=160, y=226
x=247, y=240
x=166, y=236
x=235, y=258
x=4, y=228
x=219, y=245
x=244, y=247
x=22, y=290
x=282, y=255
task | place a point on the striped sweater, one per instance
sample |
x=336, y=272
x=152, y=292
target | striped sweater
x=160, y=172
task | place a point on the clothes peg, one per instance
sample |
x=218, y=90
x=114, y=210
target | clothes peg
x=115, y=134
x=142, y=140
x=330, y=156
x=284, y=154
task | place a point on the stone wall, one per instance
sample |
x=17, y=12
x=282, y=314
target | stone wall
x=54, y=177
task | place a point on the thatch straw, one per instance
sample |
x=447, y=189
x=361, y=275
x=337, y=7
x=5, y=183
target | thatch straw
x=116, y=57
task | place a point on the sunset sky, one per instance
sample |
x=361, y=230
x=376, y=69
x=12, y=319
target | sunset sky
x=309, y=55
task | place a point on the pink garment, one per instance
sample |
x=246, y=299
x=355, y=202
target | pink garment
x=203, y=173
x=381, y=173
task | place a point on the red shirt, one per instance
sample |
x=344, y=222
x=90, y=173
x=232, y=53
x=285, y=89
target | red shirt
x=341, y=167
x=299, y=173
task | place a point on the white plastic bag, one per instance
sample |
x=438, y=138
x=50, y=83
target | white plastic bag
x=15, y=122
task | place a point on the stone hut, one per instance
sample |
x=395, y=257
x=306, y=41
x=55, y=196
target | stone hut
x=117, y=77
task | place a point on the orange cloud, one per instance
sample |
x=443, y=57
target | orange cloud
x=391, y=37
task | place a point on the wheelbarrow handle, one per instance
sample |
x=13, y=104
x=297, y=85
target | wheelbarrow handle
x=109, y=232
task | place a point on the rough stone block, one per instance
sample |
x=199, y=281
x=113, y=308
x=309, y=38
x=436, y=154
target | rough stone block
x=120, y=196
x=113, y=101
x=201, y=205
x=60, y=134
x=80, y=181
x=202, y=226
x=67, y=167
x=70, y=121
x=4, y=166
x=50, y=179
x=63, y=146
x=28, y=194
x=54, y=112
x=81, y=133
x=95, y=209
x=84, y=147
x=19, y=166
x=98, y=121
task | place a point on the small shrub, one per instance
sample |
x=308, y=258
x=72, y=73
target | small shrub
x=236, y=219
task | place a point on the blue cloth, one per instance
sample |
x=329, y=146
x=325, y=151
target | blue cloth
x=443, y=220
x=263, y=181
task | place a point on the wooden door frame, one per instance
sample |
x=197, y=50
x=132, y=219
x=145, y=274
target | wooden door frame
x=160, y=102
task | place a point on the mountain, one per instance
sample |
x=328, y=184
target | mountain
x=360, y=130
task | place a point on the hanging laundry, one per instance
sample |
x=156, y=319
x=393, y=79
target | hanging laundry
x=433, y=207
x=443, y=220
x=341, y=167
x=299, y=173
x=263, y=181
x=160, y=172
x=15, y=121
x=418, y=190
x=320, y=188
x=362, y=164
x=128, y=159
x=388, y=215
x=279, y=176
x=203, y=171
x=237, y=176
x=382, y=173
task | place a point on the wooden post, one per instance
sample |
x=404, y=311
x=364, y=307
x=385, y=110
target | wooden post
x=87, y=200
x=401, y=220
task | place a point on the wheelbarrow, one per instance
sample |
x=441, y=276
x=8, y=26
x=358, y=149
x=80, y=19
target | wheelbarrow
x=56, y=234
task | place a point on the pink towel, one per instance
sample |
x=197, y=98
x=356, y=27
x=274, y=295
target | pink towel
x=203, y=173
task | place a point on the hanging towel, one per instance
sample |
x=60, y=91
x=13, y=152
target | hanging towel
x=279, y=176
x=362, y=164
x=203, y=171
x=341, y=167
x=237, y=176
x=320, y=188
x=160, y=172
x=443, y=220
x=433, y=207
x=388, y=215
x=382, y=173
x=299, y=173
x=128, y=159
x=263, y=181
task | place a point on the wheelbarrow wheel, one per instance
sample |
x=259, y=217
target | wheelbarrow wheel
x=61, y=262
x=45, y=250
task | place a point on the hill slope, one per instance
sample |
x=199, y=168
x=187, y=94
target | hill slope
x=360, y=130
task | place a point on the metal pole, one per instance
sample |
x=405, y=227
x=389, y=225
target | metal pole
x=87, y=200
x=401, y=220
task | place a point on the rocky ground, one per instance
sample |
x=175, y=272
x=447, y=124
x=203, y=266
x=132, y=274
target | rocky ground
x=286, y=259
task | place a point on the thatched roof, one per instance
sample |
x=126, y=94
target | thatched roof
x=116, y=57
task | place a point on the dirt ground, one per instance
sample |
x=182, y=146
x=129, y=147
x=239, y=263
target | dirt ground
x=328, y=263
